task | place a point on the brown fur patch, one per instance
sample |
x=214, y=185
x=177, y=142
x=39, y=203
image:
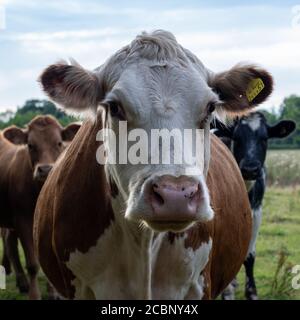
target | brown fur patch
x=73, y=209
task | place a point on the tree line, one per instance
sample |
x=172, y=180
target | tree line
x=32, y=108
x=289, y=109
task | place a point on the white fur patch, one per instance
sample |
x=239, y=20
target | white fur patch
x=130, y=263
x=254, y=122
x=177, y=270
x=229, y=292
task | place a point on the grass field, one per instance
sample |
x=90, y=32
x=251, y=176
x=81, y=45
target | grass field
x=278, y=247
x=283, y=167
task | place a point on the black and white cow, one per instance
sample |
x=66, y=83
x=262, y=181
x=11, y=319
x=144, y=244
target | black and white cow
x=248, y=138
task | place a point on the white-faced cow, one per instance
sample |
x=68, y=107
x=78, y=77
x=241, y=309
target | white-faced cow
x=26, y=157
x=145, y=230
x=248, y=140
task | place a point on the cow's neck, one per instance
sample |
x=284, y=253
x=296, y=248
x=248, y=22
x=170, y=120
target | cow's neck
x=136, y=244
x=118, y=266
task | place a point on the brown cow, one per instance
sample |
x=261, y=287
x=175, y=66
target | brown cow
x=26, y=157
x=140, y=230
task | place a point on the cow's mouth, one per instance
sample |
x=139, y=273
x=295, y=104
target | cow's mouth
x=174, y=226
x=40, y=178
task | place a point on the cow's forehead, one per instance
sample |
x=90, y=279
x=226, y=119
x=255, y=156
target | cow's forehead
x=145, y=88
x=254, y=122
x=45, y=134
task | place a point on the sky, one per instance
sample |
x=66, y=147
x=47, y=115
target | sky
x=36, y=33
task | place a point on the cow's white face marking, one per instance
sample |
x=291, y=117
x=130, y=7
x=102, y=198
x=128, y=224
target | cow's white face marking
x=128, y=265
x=156, y=97
x=254, y=122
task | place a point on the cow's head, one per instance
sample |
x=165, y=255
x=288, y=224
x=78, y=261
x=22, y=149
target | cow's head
x=45, y=140
x=249, y=141
x=154, y=83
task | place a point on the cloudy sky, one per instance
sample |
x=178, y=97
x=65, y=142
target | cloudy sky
x=35, y=33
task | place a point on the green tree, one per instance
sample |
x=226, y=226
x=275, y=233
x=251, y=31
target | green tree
x=34, y=107
x=290, y=109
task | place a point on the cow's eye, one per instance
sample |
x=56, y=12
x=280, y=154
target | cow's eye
x=59, y=143
x=211, y=107
x=116, y=110
x=31, y=146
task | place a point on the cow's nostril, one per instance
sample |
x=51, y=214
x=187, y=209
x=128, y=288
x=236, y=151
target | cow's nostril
x=192, y=193
x=158, y=198
x=45, y=169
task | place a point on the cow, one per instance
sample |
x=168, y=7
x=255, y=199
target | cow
x=144, y=230
x=247, y=138
x=26, y=157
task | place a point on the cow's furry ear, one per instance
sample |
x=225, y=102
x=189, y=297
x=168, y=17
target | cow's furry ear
x=242, y=87
x=15, y=135
x=71, y=86
x=69, y=132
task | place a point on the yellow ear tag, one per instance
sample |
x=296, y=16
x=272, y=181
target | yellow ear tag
x=254, y=88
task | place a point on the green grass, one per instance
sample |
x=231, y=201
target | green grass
x=278, y=247
x=11, y=292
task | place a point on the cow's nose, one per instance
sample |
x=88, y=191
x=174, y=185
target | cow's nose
x=44, y=169
x=175, y=198
x=250, y=170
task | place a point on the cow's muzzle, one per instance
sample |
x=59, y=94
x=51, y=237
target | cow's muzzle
x=251, y=171
x=174, y=201
x=41, y=172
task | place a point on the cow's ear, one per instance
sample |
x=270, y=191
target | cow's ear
x=242, y=87
x=282, y=129
x=15, y=135
x=69, y=132
x=71, y=86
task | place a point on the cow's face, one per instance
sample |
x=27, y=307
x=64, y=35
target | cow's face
x=165, y=98
x=45, y=140
x=249, y=137
x=156, y=84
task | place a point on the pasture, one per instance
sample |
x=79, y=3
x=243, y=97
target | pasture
x=278, y=247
